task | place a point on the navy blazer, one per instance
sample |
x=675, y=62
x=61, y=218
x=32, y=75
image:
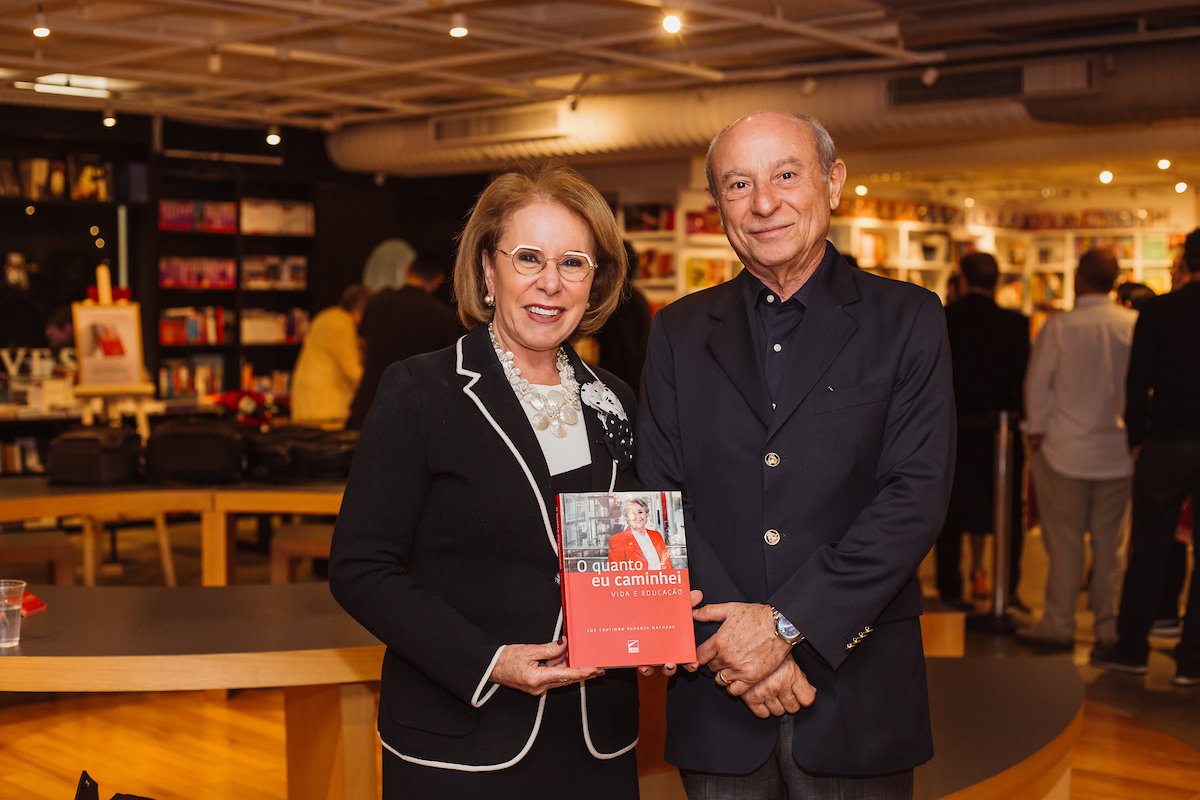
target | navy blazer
x=852, y=470
x=445, y=550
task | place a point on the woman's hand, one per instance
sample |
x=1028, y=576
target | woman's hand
x=534, y=668
x=669, y=669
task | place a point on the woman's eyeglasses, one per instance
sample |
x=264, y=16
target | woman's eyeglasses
x=530, y=259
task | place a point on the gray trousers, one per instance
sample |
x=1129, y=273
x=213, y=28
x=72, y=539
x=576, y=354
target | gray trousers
x=1069, y=508
x=781, y=779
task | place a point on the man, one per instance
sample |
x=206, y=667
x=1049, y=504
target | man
x=399, y=323
x=1080, y=463
x=1162, y=421
x=990, y=348
x=805, y=411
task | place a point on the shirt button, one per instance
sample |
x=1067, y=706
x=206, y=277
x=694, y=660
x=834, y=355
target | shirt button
x=772, y=459
x=771, y=537
x=778, y=347
x=770, y=298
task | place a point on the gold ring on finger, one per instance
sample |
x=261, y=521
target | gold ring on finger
x=722, y=679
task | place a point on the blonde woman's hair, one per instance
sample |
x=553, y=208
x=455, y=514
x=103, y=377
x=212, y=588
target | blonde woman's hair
x=524, y=185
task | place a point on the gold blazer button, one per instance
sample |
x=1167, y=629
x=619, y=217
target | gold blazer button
x=771, y=537
x=772, y=459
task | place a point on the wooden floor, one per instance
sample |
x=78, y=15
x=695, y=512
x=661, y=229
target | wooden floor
x=204, y=746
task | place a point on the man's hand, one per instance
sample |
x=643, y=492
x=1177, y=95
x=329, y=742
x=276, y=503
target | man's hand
x=669, y=669
x=746, y=649
x=534, y=668
x=784, y=691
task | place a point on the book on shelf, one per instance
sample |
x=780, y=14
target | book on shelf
x=649, y=217
x=277, y=218
x=91, y=179
x=259, y=326
x=624, y=576
x=199, y=375
x=203, y=216
x=274, y=272
x=188, y=325
x=175, y=272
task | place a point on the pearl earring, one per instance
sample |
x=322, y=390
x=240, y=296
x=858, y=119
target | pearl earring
x=488, y=300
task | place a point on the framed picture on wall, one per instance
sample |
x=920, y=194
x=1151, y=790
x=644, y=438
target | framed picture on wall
x=108, y=344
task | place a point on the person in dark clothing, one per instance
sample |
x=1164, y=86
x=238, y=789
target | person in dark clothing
x=400, y=323
x=1134, y=295
x=989, y=348
x=1162, y=422
x=623, y=338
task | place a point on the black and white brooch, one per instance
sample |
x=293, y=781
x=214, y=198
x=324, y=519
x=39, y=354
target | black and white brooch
x=618, y=435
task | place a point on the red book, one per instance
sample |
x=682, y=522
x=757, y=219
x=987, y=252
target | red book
x=624, y=572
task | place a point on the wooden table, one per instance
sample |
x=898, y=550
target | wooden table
x=31, y=497
x=137, y=639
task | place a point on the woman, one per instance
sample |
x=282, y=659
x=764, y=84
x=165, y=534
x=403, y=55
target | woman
x=444, y=546
x=330, y=364
x=635, y=543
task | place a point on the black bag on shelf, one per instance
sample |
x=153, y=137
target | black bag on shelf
x=97, y=455
x=297, y=453
x=195, y=450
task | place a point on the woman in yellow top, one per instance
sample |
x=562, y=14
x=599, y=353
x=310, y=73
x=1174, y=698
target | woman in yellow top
x=330, y=363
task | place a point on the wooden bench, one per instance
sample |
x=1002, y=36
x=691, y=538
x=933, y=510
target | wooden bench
x=45, y=547
x=290, y=543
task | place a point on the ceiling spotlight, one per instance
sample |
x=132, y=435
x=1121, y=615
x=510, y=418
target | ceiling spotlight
x=969, y=202
x=1164, y=163
x=40, y=29
x=930, y=76
x=671, y=23
x=110, y=118
x=860, y=190
x=214, y=61
x=1180, y=187
x=273, y=137
x=1106, y=177
x=458, y=25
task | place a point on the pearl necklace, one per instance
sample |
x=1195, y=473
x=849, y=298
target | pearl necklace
x=554, y=410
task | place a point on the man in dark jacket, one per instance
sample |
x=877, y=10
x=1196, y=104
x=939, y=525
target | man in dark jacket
x=1162, y=421
x=400, y=323
x=989, y=346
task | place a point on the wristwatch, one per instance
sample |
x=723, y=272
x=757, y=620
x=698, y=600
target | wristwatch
x=784, y=629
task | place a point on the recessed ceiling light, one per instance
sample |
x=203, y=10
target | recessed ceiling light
x=458, y=25
x=1180, y=187
x=969, y=202
x=1164, y=163
x=860, y=190
x=1106, y=177
x=671, y=23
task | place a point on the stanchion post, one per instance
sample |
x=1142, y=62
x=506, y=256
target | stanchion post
x=1001, y=527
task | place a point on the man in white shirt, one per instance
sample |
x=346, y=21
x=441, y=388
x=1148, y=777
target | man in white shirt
x=1081, y=465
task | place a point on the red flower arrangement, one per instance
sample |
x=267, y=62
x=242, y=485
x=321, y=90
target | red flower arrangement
x=251, y=408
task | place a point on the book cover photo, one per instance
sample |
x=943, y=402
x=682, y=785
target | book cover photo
x=624, y=571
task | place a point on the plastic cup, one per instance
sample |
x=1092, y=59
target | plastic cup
x=11, y=595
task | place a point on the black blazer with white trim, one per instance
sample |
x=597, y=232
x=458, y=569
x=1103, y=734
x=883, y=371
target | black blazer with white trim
x=445, y=550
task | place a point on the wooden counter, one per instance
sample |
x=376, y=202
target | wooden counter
x=109, y=639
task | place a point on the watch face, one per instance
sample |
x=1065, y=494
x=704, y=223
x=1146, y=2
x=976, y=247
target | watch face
x=786, y=629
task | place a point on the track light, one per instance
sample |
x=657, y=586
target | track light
x=458, y=24
x=671, y=23
x=930, y=76
x=110, y=118
x=40, y=29
x=1164, y=163
x=1180, y=187
x=1106, y=177
x=273, y=137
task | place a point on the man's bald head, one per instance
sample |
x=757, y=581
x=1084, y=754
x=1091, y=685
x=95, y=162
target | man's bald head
x=822, y=141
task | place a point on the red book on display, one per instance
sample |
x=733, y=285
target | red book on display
x=623, y=566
